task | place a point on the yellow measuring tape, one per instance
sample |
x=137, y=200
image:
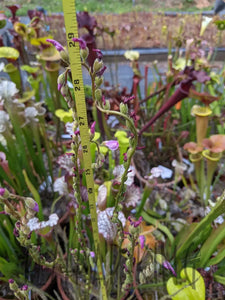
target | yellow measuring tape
x=76, y=70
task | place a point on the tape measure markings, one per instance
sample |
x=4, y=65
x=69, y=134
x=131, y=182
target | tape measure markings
x=77, y=81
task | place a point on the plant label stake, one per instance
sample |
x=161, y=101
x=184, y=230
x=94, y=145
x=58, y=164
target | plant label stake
x=76, y=70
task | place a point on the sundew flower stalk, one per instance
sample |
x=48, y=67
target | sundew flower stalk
x=81, y=252
x=104, y=106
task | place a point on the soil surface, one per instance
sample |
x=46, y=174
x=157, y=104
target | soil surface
x=143, y=30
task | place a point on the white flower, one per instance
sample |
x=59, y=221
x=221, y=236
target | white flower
x=2, y=65
x=34, y=223
x=160, y=171
x=205, y=22
x=132, y=55
x=31, y=112
x=132, y=196
x=102, y=195
x=7, y=89
x=105, y=226
x=17, y=105
x=179, y=224
x=3, y=140
x=118, y=173
x=46, y=185
x=60, y=186
x=163, y=204
x=166, y=173
x=66, y=163
x=179, y=166
x=69, y=128
x=155, y=173
x=4, y=121
x=189, y=164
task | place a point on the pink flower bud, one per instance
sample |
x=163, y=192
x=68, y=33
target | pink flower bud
x=2, y=191
x=142, y=241
x=92, y=254
x=98, y=52
x=112, y=144
x=92, y=129
x=81, y=42
x=57, y=45
x=24, y=287
x=168, y=266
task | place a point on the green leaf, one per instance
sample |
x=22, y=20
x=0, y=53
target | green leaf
x=123, y=141
x=9, y=269
x=216, y=211
x=192, y=286
x=218, y=258
x=209, y=247
x=184, y=235
x=122, y=138
x=27, y=96
x=30, y=69
x=64, y=116
x=219, y=279
x=6, y=249
x=9, y=52
x=158, y=225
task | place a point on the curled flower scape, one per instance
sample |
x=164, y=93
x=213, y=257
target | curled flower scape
x=34, y=223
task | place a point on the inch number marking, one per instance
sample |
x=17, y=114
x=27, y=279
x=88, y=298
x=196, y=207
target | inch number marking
x=76, y=84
